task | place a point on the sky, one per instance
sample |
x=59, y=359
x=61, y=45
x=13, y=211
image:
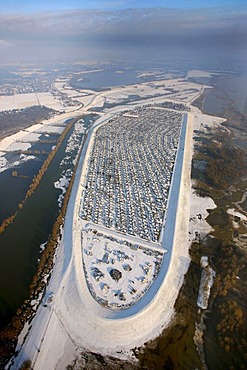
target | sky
x=54, y=5
x=57, y=30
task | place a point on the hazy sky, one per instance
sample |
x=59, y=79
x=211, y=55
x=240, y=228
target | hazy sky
x=50, y=5
x=50, y=30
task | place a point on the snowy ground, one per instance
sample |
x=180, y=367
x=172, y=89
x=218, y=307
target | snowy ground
x=51, y=129
x=233, y=212
x=198, y=73
x=135, y=264
x=74, y=320
x=20, y=101
x=150, y=92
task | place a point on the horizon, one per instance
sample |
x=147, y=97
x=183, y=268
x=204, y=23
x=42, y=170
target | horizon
x=63, y=31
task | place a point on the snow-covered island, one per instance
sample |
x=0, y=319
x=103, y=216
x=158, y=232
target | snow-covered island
x=124, y=250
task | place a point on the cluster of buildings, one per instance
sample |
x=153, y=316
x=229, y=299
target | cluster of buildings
x=19, y=84
x=129, y=172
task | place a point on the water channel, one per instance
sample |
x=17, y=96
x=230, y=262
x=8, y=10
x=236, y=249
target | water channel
x=20, y=242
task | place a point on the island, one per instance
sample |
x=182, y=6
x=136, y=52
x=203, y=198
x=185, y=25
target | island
x=124, y=249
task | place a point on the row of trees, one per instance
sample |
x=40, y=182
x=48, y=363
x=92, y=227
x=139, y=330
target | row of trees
x=9, y=334
x=5, y=223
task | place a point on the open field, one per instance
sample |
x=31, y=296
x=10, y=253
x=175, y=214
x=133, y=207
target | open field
x=20, y=101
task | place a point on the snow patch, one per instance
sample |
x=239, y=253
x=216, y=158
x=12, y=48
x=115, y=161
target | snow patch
x=62, y=184
x=5, y=165
x=206, y=283
x=233, y=212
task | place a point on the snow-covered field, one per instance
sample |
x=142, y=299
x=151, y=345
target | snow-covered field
x=51, y=129
x=74, y=320
x=198, y=73
x=118, y=272
x=20, y=101
x=18, y=146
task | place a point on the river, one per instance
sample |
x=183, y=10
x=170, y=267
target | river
x=20, y=243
